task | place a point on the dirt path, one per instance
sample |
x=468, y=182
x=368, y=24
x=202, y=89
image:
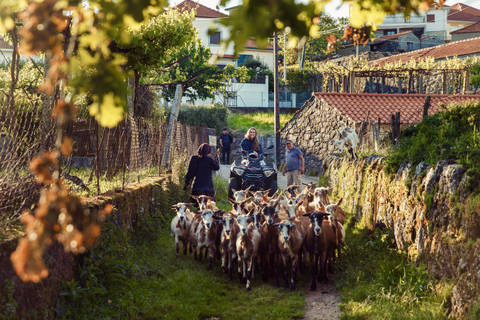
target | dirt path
x=322, y=304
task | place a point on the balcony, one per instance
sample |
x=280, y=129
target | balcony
x=403, y=20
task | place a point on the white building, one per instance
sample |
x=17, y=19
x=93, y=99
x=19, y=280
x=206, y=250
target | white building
x=206, y=19
x=248, y=94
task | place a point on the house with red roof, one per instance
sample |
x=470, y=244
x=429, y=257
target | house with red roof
x=205, y=18
x=320, y=119
x=423, y=24
x=400, y=42
x=459, y=17
x=472, y=31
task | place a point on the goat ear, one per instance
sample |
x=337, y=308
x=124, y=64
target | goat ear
x=189, y=204
x=174, y=207
x=339, y=201
x=307, y=215
x=299, y=204
x=194, y=197
x=234, y=190
x=231, y=201
x=264, y=198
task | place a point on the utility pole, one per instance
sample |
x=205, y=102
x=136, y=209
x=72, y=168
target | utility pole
x=276, y=112
x=285, y=57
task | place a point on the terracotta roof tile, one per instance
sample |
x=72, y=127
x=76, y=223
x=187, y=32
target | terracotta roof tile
x=202, y=11
x=465, y=8
x=356, y=105
x=455, y=15
x=470, y=29
x=251, y=44
x=451, y=49
x=391, y=36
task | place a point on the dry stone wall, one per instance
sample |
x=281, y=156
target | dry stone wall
x=433, y=216
x=312, y=130
x=130, y=206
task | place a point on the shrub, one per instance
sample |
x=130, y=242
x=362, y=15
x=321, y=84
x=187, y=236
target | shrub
x=451, y=134
x=204, y=116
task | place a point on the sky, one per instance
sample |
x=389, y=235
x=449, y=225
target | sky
x=335, y=8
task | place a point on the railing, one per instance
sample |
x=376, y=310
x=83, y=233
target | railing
x=402, y=20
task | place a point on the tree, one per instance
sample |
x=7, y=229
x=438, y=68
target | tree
x=201, y=79
x=258, y=68
x=316, y=48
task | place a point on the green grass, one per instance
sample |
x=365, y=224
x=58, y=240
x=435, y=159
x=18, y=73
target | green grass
x=136, y=276
x=185, y=289
x=262, y=121
x=377, y=281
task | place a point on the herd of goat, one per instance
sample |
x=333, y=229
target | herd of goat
x=287, y=226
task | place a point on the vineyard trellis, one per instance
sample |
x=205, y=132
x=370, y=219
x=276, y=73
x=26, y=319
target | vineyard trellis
x=102, y=158
x=454, y=72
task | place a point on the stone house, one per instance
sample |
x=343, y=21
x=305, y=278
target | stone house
x=318, y=122
x=400, y=42
x=430, y=41
x=472, y=31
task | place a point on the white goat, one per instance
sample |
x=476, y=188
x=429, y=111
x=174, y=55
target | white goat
x=180, y=225
x=348, y=137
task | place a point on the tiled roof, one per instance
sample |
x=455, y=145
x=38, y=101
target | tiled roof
x=470, y=29
x=202, y=11
x=356, y=105
x=391, y=36
x=4, y=44
x=451, y=49
x=455, y=15
x=466, y=8
x=251, y=44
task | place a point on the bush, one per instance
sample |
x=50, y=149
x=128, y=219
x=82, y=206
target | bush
x=299, y=81
x=204, y=116
x=451, y=134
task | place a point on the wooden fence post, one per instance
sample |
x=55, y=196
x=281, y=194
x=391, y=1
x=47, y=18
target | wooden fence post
x=172, y=121
x=397, y=128
x=392, y=126
x=426, y=105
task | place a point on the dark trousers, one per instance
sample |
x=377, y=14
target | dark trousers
x=226, y=155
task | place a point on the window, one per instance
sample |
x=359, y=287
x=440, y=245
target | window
x=409, y=46
x=389, y=33
x=430, y=18
x=243, y=58
x=215, y=38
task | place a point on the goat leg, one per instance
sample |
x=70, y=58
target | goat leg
x=294, y=273
x=313, y=266
x=177, y=248
x=249, y=273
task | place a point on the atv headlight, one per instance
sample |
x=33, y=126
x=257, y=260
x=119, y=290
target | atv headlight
x=239, y=171
x=268, y=173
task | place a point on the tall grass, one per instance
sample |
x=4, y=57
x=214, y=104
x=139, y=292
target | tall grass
x=377, y=281
x=262, y=121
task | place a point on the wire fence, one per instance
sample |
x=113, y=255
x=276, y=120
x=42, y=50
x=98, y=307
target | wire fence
x=102, y=159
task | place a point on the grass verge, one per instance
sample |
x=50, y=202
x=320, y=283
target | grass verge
x=377, y=281
x=262, y=121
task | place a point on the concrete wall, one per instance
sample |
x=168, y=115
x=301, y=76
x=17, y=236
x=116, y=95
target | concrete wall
x=463, y=36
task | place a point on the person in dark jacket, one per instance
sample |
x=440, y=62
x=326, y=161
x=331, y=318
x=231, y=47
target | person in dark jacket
x=251, y=144
x=200, y=169
x=225, y=141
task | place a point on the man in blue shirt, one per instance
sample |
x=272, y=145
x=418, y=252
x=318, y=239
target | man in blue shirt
x=225, y=141
x=295, y=164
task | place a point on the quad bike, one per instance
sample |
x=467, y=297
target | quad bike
x=254, y=173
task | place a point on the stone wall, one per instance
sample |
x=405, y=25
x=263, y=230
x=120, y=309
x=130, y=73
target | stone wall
x=433, y=216
x=40, y=298
x=311, y=131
